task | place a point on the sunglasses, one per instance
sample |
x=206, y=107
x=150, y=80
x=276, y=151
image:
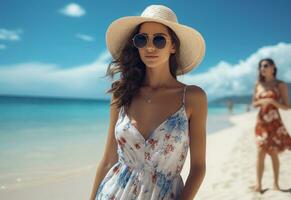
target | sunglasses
x=266, y=65
x=140, y=40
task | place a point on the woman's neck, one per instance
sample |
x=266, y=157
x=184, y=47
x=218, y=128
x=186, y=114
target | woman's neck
x=269, y=79
x=158, y=77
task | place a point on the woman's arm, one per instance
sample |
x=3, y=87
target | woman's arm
x=110, y=155
x=284, y=94
x=255, y=102
x=197, y=100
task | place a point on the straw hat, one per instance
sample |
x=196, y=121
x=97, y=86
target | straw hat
x=192, y=45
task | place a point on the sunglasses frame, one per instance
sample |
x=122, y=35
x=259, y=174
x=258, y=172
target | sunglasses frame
x=152, y=40
x=266, y=65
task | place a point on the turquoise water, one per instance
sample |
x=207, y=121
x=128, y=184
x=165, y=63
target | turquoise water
x=43, y=139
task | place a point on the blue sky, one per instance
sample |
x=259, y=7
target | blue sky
x=62, y=37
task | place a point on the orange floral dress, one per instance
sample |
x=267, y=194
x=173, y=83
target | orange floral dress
x=270, y=132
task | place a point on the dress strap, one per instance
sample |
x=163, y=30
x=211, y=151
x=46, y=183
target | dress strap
x=184, y=94
x=121, y=111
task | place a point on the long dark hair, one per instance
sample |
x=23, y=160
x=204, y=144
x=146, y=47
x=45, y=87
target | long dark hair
x=261, y=78
x=133, y=70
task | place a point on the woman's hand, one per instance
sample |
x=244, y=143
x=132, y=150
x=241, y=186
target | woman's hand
x=266, y=101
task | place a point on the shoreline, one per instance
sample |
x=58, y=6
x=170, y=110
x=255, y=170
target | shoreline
x=224, y=178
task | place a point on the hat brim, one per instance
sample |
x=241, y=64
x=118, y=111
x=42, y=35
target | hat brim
x=192, y=44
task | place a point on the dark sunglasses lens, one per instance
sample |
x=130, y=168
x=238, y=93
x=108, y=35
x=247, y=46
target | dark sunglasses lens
x=159, y=41
x=265, y=65
x=139, y=40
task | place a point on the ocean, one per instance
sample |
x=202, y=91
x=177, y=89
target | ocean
x=45, y=139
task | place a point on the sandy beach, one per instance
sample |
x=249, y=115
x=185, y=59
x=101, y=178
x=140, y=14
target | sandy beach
x=231, y=155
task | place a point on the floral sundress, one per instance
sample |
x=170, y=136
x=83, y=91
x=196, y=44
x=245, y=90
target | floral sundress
x=270, y=132
x=148, y=169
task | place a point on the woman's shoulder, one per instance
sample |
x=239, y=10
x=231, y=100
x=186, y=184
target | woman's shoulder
x=258, y=83
x=196, y=100
x=195, y=90
x=195, y=95
x=282, y=84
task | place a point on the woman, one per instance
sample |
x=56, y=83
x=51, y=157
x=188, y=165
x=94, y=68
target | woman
x=154, y=119
x=271, y=136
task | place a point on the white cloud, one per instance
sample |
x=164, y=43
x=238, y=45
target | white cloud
x=73, y=10
x=2, y=46
x=85, y=37
x=238, y=79
x=87, y=80
x=41, y=79
x=10, y=35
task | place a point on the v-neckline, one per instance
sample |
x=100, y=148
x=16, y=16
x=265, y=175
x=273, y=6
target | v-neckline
x=157, y=128
x=274, y=89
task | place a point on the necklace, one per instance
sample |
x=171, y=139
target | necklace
x=148, y=100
